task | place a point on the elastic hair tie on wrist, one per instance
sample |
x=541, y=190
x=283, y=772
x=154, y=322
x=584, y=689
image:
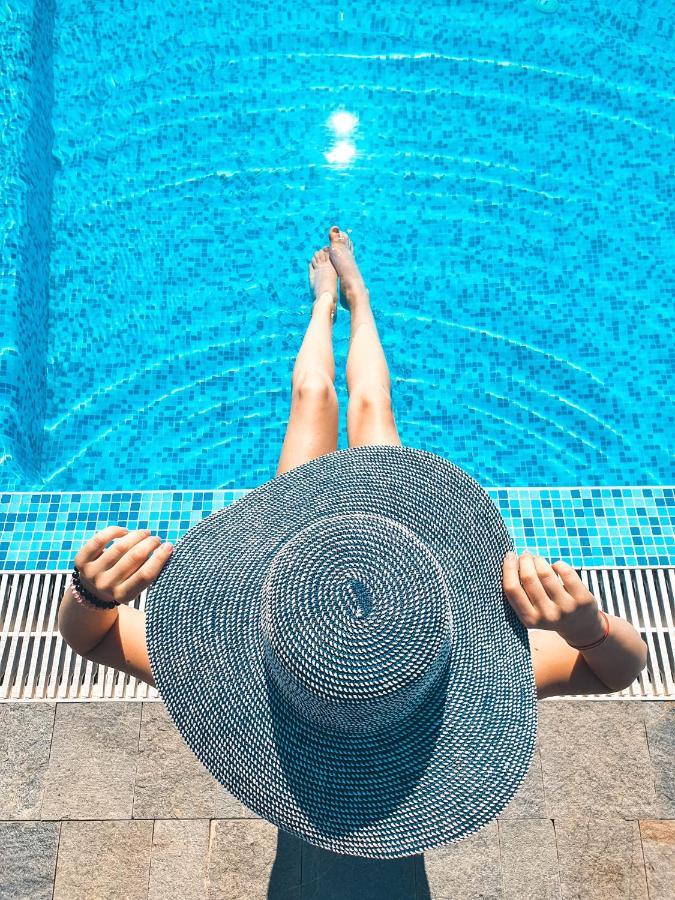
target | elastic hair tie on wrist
x=600, y=640
x=83, y=596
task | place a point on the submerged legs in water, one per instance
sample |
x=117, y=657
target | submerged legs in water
x=313, y=421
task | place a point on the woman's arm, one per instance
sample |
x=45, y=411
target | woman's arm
x=554, y=598
x=620, y=658
x=82, y=627
x=124, y=646
x=119, y=572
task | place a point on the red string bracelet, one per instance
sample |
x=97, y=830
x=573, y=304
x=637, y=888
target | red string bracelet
x=600, y=640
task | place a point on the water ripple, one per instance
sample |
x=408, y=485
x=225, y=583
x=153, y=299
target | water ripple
x=159, y=364
x=426, y=425
x=505, y=63
x=454, y=175
x=234, y=401
x=500, y=337
x=144, y=408
x=109, y=203
x=551, y=423
x=607, y=181
x=284, y=56
x=560, y=449
x=97, y=122
x=576, y=407
x=531, y=102
x=204, y=176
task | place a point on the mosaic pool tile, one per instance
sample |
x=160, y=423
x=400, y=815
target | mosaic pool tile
x=584, y=526
x=168, y=169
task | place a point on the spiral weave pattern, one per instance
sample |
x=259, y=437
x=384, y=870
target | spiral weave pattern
x=336, y=649
x=355, y=626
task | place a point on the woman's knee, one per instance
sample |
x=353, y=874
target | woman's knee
x=370, y=417
x=313, y=386
x=372, y=400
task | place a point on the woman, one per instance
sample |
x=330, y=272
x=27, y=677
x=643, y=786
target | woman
x=551, y=601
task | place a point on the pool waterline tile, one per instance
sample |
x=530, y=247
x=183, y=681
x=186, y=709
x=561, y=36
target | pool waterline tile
x=586, y=526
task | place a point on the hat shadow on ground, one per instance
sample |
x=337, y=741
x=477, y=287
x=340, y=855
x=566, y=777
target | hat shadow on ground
x=327, y=875
x=332, y=876
x=343, y=781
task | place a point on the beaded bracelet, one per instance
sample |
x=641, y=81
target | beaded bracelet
x=85, y=597
x=600, y=640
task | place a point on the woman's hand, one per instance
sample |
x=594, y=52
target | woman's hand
x=552, y=598
x=122, y=571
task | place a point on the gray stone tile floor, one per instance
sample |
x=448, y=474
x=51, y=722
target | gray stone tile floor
x=105, y=800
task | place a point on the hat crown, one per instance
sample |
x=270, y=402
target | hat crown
x=356, y=621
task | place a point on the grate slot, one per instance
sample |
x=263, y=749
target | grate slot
x=37, y=664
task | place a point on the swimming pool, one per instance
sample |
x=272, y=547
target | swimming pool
x=507, y=177
x=166, y=172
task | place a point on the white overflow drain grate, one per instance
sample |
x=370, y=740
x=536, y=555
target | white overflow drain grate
x=36, y=663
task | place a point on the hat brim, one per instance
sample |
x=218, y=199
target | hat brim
x=440, y=774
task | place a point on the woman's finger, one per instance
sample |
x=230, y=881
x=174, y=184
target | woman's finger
x=553, y=586
x=93, y=549
x=130, y=561
x=529, y=578
x=147, y=573
x=106, y=561
x=515, y=593
x=573, y=584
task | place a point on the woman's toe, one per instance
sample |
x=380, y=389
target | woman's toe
x=336, y=236
x=320, y=258
x=340, y=238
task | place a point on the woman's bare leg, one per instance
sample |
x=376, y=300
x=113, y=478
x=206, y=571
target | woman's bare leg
x=370, y=418
x=313, y=422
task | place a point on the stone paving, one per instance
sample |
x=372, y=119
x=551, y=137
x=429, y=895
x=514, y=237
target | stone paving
x=105, y=800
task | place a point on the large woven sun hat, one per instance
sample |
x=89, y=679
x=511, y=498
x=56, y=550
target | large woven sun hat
x=335, y=647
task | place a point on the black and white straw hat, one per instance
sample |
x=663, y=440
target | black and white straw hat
x=335, y=647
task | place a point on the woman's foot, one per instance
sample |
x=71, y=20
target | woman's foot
x=323, y=280
x=341, y=251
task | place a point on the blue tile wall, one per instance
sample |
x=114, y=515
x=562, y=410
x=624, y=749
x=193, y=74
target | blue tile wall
x=26, y=176
x=585, y=526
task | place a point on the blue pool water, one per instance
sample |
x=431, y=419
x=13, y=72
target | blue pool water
x=167, y=171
